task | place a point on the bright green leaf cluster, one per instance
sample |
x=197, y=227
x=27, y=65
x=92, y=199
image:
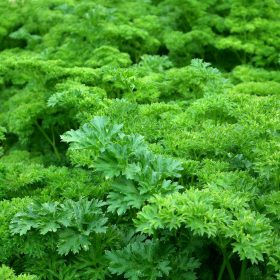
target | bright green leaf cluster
x=136, y=172
x=8, y=274
x=73, y=222
x=225, y=218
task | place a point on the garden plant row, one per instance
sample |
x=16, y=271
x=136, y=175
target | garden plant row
x=139, y=139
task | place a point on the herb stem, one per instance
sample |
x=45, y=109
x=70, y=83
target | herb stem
x=226, y=263
x=243, y=270
x=222, y=269
x=52, y=143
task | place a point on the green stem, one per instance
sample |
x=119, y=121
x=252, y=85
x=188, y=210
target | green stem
x=222, y=269
x=53, y=136
x=243, y=270
x=227, y=264
x=52, y=143
x=192, y=179
x=238, y=56
x=181, y=182
x=230, y=271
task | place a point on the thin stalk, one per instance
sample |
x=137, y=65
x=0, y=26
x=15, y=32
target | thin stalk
x=222, y=269
x=238, y=56
x=228, y=265
x=53, y=137
x=192, y=179
x=243, y=270
x=226, y=261
x=230, y=271
x=52, y=143
x=181, y=182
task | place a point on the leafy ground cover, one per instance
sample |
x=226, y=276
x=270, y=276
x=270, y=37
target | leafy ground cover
x=139, y=139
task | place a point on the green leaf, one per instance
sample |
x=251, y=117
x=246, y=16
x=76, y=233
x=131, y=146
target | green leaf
x=95, y=135
x=70, y=240
x=139, y=260
x=124, y=197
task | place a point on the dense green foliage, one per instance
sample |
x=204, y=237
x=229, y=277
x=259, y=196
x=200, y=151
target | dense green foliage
x=139, y=139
